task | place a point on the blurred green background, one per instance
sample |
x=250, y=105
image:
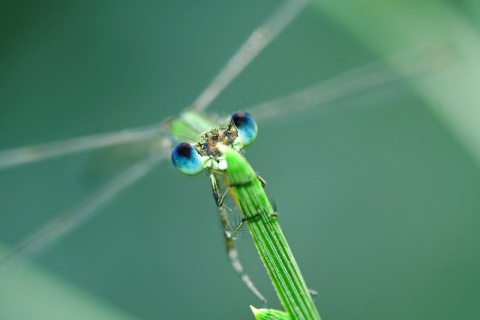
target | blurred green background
x=378, y=193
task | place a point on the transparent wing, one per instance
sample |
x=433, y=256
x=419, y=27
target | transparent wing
x=61, y=225
x=356, y=81
x=69, y=221
x=21, y=156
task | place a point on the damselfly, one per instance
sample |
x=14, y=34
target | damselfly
x=34, y=194
x=216, y=150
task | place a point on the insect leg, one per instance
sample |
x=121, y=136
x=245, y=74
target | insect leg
x=228, y=236
x=262, y=181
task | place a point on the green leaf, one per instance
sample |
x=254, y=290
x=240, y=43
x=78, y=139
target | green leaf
x=269, y=314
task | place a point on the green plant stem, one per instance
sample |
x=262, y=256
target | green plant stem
x=268, y=237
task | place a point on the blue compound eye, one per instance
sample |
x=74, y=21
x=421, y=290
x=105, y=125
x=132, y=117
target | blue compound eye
x=186, y=159
x=246, y=126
